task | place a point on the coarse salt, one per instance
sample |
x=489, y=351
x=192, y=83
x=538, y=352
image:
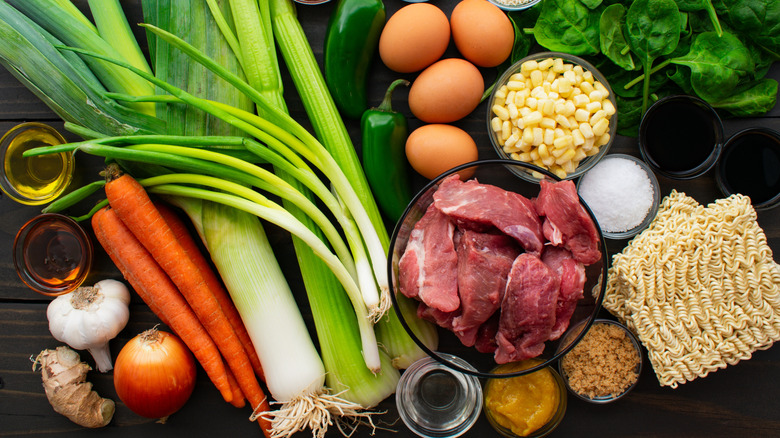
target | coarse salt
x=619, y=193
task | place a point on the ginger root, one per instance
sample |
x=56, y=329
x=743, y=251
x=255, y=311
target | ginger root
x=65, y=381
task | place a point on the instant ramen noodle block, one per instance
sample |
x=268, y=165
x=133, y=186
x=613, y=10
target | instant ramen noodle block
x=699, y=287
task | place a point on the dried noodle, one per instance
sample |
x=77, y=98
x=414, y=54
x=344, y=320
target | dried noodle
x=699, y=287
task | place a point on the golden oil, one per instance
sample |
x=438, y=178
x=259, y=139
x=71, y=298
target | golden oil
x=34, y=180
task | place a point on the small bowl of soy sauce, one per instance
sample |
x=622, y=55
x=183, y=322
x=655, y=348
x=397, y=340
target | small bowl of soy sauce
x=681, y=137
x=750, y=165
x=52, y=254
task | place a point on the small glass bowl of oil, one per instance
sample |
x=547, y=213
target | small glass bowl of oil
x=34, y=180
x=52, y=254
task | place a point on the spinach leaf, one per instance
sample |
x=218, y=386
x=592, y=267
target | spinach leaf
x=567, y=26
x=718, y=65
x=701, y=5
x=753, y=101
x=759, y=20
x=653, y=30
x=591, y=4
x=613, y=42
x=682, y=77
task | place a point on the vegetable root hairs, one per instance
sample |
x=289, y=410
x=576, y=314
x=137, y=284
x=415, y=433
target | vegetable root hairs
x=65, y=381
x=315, y=411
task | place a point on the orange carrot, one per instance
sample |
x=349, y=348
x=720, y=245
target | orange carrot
x=159, y=293
x=238, y=397
x=187, y=241
x=134, y=207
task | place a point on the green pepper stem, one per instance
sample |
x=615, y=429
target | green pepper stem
x=387, y=102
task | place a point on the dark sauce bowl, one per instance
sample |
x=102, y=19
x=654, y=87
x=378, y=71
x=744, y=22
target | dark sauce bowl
x=680, y=137
x=501, y=173
x=750, y=165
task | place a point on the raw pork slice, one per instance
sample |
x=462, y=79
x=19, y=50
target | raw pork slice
x=484, y=261
x=571, y=274
x=481, y=206
x=486, y=335
x=527, y=310
x=566, y=222
x=428, y=268
x=442, y=319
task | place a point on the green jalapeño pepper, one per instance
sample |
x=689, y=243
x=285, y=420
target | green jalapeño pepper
x=351, y=41
x=384, y=157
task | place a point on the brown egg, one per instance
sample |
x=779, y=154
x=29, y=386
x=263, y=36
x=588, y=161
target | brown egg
x=447, y=91
x=436, y=148
x=414, y=37
x=482, y=32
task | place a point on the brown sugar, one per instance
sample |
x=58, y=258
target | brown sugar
x=603, y=364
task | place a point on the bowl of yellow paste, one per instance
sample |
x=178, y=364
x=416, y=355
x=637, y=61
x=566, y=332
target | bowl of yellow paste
x=530, y=405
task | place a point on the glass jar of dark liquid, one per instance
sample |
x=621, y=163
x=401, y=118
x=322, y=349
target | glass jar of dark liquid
x=52, y=254
x=750, y=165
x=681, y=137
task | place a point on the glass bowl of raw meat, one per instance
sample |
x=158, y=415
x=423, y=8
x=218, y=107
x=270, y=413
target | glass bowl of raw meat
x=503, y=266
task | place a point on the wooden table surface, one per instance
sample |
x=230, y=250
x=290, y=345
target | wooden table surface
x=742, y=400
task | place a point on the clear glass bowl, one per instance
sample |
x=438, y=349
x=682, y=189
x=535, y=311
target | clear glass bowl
x=501, y=173
x=435, y=401
x=578, y=331
x=517, y=7
x=618, y=235
x=52, y=254
x=531, y=173
x=545, y=429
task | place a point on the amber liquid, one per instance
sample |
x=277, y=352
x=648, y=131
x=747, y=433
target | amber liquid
x=36, y=177
x=54, y=256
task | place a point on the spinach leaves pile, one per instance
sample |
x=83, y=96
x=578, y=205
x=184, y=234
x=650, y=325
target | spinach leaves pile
x=719, y=50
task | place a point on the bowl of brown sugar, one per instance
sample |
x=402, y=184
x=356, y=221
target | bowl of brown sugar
x=605, y=365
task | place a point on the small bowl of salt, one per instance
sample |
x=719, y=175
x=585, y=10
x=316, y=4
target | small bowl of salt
x=623, y=193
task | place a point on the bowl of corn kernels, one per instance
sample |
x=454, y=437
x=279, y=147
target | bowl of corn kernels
x=554, y=111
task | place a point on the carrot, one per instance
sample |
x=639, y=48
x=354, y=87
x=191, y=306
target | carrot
x=187, y=241
x=134, y=207
x=238, y=397
x=159, y=293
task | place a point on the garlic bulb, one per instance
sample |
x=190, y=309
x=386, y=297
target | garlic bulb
x=89, y=317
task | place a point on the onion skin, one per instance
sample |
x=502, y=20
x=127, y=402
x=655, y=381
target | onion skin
x=154, y=374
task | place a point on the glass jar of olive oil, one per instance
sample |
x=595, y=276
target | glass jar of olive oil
x=34, y=180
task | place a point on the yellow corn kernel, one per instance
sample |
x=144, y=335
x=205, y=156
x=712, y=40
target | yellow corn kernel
x=531, y=102
x=565, y=157
x=532, y=118
x=506, y=129
x=552, y=95
x=537, y=77
x=563, y=142
x=549, y=161
x=593, y=151
x=596, y=95
x=586, y=87
x=565, y=83
x=549, y=136
x=589, y=143
x=515, y=85
x=558, y=65
x=547, y=123
x=581, y=115
x=538, y=92
x=579, y=155
x=542, y=151
x=569, y=109
x=559, y=172
x=560, y=132
x=528, y=135
x=587, y=76
x=602, y=140
x=599, y=86
x=524, y=111
x=533, y=155
x=575, y=91
x=524, y=157
x=549, y=77
x=538, y=136
x=501, y=112
x=523, y=146
x=598, y=115
x=587, y=130
x=569, y=166
x=577, y=138
x=607, y=106
x=495, y=124
x=501, y=92
x=580, y=100
x=577, y=69
x=519, y=77
x=592, y=107
x=600, y=128
x=511, y=143
x=510, y=97
x=512, y=110
x=561, y=120
x=545, y=64
x=547, y=106
x=527, y=67
x=558, y=152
